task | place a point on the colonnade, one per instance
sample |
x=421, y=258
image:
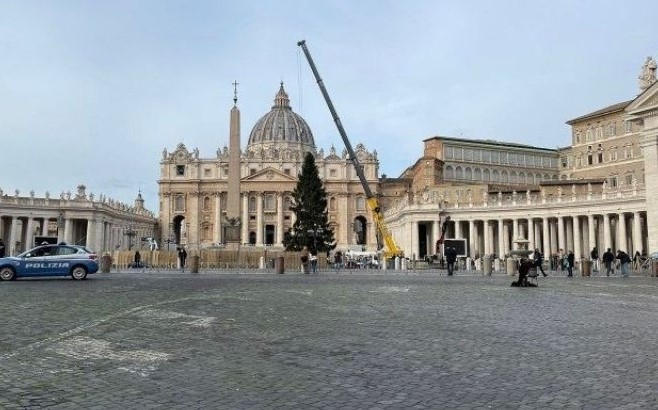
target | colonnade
x=579, y=233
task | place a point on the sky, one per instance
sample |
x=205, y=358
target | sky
x=91, y=92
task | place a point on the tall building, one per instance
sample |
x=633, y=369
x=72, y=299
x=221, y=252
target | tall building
x=243, y=195
x=600, y=191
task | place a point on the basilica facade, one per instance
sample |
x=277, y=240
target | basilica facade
x=242, y=195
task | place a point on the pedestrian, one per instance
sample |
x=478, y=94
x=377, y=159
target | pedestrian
x=182, y=256
x=594, y=255
x=2, y=249
x=570, y=260
x=451, y=258
x=538, y=261
x=608, y=258
x=524, y=267
x=624, y=262
x=138, y=259
x=314, y=263
x=561, y=260
x=304, y=258
x=637, y=261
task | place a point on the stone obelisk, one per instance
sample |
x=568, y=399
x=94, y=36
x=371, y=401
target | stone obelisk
x=233, y=197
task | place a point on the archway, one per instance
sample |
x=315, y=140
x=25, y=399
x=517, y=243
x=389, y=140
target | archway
x=177, y=229
x=360, y=234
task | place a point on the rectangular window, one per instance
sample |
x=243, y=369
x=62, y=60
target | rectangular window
x=333, y=173
x=458, y=153
x=513, y=159
x=599, y=133
x=270, y=203
x=588, y=135
x=180, y=170
x=286, y=171
x=252, y=171
x=495, y=157
x=628, y=127
x=449, y=153
x=468, y=154
x=206, y=172
x=612, y=129
x=613, y=182
x=486, y=156
x=629, y=179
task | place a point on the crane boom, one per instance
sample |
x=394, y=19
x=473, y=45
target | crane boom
x=391, y=248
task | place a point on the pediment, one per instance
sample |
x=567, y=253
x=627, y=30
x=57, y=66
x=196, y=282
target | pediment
x=270, y=175
x=647, y=101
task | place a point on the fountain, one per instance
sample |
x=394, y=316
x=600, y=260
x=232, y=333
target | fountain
x=515, y=255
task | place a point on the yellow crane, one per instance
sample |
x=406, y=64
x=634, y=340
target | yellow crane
x=390, y=248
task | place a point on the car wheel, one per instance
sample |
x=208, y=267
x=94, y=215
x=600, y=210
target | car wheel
x=7, y=274
x=79, y=273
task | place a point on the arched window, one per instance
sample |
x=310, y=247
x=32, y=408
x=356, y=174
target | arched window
x=287, y=203
x=513, y=177
x=252, y=204
x=468, y=174
x=477, y=175
x=360, y=237
x=504, y=177
x=459, y=173
x=207, y=204
x=495, y=176
x=486, y=175
x=522, y=179
x=332, y=203
x=450, y=172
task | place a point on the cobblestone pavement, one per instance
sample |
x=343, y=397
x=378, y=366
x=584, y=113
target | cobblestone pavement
x=348, y=340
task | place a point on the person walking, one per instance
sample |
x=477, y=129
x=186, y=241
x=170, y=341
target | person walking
x=538, y=261
x=314, y=263
x=570, y=262
x=608, y=258
x=304, y=258
x=138, y=260
x=451, y=258
x=637, y=261
x=624, y=262
x=182, y=256
x=2, y=249
x=594, y=256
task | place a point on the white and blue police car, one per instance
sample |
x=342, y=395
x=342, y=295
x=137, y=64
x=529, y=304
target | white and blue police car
x=50, y=260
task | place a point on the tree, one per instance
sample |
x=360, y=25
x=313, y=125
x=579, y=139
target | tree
x=309, y=203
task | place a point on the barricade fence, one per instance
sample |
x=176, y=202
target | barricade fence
x=211, y=259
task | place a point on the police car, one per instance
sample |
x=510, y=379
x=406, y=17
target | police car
x=50, y=260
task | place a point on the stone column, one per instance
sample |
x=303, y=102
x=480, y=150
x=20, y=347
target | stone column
x=259, y=219
x=637, y=233
x=553, y=236
x=279, y=219
x=458, y=230
x=414, y=240
x=531, y=234
x=13, y=237
x=90, y=234
x=506, y=239
x=515, y=233
x=218, y=218
x=99, y=237
x=606, y=234
x=486, y=232
x=501, y=239
x=570, y=232
x=546, y=240
x=436, y=234
x=622, y=242
x=577, y=236
x=591, y=235
x=245, y=217
x=68, y=230
x=649, y=144
x=29, y=234
x=561, y=244
x=471, y=238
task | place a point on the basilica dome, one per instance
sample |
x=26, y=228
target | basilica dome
x=281, y=126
